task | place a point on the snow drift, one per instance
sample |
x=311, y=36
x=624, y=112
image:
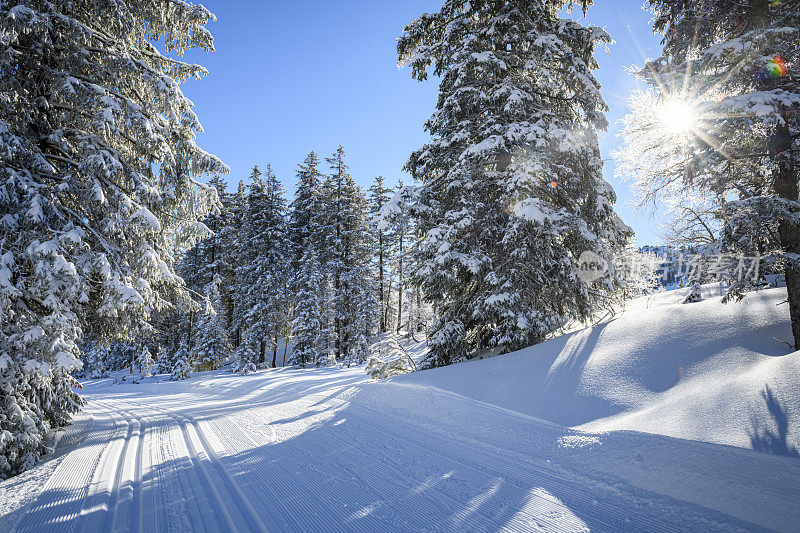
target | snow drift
x=704, y=371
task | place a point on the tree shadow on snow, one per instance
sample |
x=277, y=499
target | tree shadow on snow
x=358, y=470
x=762, y=436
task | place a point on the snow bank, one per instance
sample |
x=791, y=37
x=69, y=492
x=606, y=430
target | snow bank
x=703, y=371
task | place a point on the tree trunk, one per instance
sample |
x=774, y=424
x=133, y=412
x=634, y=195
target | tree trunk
x=275, y=355
x=786, y=187
x=380, y=284
x=400, y=286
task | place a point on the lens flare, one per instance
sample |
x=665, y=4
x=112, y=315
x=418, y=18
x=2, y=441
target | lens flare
x=776, y=67
x=677, y=116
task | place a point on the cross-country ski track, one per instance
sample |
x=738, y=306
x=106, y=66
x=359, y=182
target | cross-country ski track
x=326, y=450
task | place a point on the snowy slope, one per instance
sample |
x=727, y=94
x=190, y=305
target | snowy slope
x=329, y=450
x=323, y=450
x=703, y=371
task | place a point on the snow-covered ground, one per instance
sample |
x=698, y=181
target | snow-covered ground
x=457, y=449
x=703, y=371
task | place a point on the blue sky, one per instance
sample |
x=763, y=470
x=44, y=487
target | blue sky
x=290, y=77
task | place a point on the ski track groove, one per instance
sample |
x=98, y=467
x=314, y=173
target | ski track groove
x=190, y=426
x=74, y=472
x=496, y=467
x=174, y=477
x=121, y=483
x=220, y=511
x=446, y=502
x=364, y=475
x=475, y=519
x=196, y=486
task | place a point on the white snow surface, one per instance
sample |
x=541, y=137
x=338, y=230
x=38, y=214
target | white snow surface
x=453, y=449
x=703, y=371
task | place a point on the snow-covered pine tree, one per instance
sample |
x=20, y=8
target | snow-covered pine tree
x=245, y=357
x=210, y=257
x=401, y=225
x=97, y=166
x=235, y=250
x=121, y=355
x=181, y=368
x=211, y=345
x=512, y=189
x=304, y=224
x=263, y=274
x=144, y=363
x=94, y=365
x=308, y=324
x=349, y=249
x=728, y=71
x=379, y=195
x=308, y=237
x=164, y=361
x=158, y=355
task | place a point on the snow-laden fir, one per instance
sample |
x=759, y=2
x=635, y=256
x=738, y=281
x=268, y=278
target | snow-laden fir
x=731, y=173
x=512, y=190
x=98, y=168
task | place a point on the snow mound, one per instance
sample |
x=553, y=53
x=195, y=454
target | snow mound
x=703, y=371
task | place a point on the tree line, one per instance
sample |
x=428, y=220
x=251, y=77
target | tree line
x=316, y=277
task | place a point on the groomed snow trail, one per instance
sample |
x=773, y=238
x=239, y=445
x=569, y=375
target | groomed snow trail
x=323, y=450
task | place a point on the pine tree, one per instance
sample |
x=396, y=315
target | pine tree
x=145, y=363
x=512, y=188
x=94, y=364
x=308, y=321
x=379, y=196
x=236, y=248
x=245, y=358
x=97, y=166
x=349, y=250
x=211, y=256
x=263, y=276
x=166, y=362
x=180, y=367
x=212, y=346
x=304, y=225
x=726, y=70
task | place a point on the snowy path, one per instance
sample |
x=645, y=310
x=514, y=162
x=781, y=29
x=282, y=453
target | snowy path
x=322, y=451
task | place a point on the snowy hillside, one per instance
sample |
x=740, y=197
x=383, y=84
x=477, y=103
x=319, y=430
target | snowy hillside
x=703, y=371
x=449, y=449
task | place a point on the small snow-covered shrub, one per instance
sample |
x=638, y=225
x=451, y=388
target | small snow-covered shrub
x=145, y=363
x=245, y=359
x=180, y=367
x=181, y=370
x=247, y=368
x=389, y=359
x=95, y=357
x=377, y=369
x=695, y=295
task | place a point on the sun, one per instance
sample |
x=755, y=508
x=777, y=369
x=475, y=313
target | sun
x=677, y=116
